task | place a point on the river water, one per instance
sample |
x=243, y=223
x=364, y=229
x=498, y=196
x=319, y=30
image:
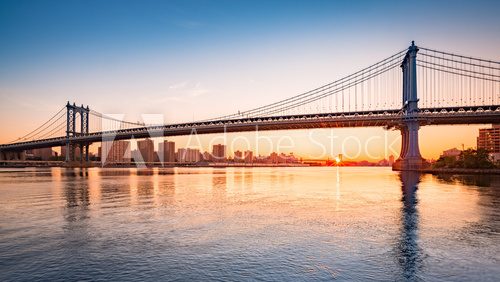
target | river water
x=238, y=224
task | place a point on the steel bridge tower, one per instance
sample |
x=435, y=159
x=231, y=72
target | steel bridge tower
x=410, y=158
x=74, y=112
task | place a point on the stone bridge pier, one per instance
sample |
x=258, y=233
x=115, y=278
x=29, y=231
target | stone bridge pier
x=409, y=157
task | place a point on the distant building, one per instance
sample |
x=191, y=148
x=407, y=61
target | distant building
x=167, y=150
x=489, y=139
x=284, y=158
x=238, y=156
x=391, y=159
x=248, y=157
x=188, y=155
x=44, y=154
x=147, y=150
x=136, y=155
x=115, y=151
x=63, y=152
x=207, y=156
x=453, y=152
x=273, y=158
x=219, y=152
x=260, y=159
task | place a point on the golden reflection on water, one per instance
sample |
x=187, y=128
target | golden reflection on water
x=337, y=190
x=133, y=182
x=93, y=178
x=404, y=217
x=446, y=204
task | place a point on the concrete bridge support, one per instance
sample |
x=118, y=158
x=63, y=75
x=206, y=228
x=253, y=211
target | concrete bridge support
x=410, y=158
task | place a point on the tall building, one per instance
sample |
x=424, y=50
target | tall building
x=188, y=155
x=219, y=152
x=238, y=156
x=273, y=158
x=167, y=150
x=147, y=149
x=206, y=156
x=489, y=139
x=43, y=154
x=248, y=157
x=115, y=151
x=391, y=159
x=136, y=155
x=77, y=152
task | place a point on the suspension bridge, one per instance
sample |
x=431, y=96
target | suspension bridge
x=452, y=89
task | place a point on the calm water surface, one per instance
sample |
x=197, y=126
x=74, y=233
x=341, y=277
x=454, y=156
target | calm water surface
x=240, y=224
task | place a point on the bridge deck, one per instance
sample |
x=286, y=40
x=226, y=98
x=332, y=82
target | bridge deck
x=386, y=118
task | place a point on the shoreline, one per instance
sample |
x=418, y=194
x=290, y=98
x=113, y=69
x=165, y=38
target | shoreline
x=460, y=171
x=141, y=165
x=37, y=164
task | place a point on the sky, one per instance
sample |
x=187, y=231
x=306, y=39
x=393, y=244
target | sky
x=190, y=60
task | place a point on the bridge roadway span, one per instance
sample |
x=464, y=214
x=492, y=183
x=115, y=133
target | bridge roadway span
x=386, y=118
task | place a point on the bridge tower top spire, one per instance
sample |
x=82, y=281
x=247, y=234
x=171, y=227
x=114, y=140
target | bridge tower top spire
x=409, y=68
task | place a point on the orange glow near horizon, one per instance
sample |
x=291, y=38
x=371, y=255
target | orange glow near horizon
x=355, y=144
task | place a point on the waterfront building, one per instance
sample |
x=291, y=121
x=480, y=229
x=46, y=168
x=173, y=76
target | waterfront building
x=248, y=157
x=63, y=152
x=167, y=151
x=146, y=148
x=219, y=152
x=115, y=151
x=44, y=154
x=273, y=158
x=136, y=156
x=207, y=156
x=391, y=160
x=188, y=155
x=489, y=139
x=238, y=156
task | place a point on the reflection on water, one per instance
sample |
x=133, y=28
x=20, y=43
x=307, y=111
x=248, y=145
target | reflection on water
x=482, y=180
x=240, y=223
x=409, y=252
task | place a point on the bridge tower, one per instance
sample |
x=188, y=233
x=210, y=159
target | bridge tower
x=410, y=158
x=73, y=112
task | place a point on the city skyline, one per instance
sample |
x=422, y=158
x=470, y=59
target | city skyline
x=161, y=150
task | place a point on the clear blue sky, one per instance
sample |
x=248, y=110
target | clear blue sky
x=201, y=59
